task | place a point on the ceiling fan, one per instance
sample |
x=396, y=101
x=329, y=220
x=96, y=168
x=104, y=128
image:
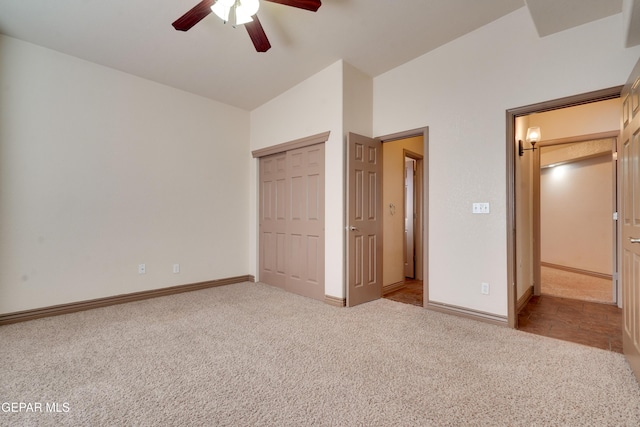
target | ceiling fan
x=239, y=12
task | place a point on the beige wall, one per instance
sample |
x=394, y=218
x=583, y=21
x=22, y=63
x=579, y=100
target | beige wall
x=461, y=91
x=576, y=208
x=524, y=213
x=101, y=171
x=393, y=194
x=584, y=119
x=337, y=99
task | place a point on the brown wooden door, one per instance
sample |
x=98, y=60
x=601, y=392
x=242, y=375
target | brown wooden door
x=630, y=201
x=273, y=219
x=364, y=219
x=305, y=228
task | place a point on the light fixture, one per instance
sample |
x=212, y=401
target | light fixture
x=533, y=136
x=237, y=12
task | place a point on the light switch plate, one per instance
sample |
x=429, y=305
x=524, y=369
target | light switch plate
x=480, y=208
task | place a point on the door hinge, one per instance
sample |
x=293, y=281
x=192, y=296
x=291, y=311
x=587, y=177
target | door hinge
x=614, y=156
x=615, y=276
x=615, y=216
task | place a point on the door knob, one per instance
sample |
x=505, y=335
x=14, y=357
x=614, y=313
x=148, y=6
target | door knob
x=632, y=240
x=352, y=228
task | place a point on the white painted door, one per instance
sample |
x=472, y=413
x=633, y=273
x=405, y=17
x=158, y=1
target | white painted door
x=630, y=202
x=364, y=219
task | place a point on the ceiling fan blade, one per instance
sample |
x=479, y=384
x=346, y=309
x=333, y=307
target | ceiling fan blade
x=257, y=34
x=312, y=5
x=195, y=15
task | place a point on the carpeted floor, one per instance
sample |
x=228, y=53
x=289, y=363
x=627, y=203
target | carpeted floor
x=566, y=284
x=249, y=354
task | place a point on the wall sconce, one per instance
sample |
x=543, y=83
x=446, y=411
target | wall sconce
x=533, y=136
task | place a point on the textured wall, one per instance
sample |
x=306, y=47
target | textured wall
x=101, y=171
x=461, y=91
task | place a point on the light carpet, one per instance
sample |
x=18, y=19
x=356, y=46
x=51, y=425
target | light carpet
x=249, y=354
x=567, y=284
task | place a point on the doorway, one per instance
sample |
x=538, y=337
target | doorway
x=529, y=308
x=520, y=245
x=575, y=202
x=411, y=289
x=403, y=216
x=386, y=209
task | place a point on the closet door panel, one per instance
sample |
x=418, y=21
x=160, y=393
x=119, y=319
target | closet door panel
x=273, y=219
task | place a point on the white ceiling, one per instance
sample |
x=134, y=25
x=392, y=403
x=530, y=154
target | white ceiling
x=219, y=62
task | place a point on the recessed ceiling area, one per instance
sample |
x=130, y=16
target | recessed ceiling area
x=553, y=16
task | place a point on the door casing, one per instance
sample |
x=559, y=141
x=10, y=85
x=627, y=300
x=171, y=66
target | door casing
x=511, y=153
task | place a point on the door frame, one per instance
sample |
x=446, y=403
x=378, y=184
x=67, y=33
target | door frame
x=422, y=202
x=511, y=153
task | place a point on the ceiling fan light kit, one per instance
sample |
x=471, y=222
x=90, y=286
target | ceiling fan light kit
x=239, y=12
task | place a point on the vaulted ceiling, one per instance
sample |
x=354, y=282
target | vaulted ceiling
x=218, y=61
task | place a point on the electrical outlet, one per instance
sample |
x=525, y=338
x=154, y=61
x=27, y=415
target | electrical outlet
x=480, y=208
x=484, y=288
x=142, y=269
x=176, y=268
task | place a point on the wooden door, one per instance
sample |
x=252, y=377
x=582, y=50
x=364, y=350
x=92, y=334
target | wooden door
x=364, y=219
x=630, y=202
x=305, y=228
x=273, y=219
x=409, y=218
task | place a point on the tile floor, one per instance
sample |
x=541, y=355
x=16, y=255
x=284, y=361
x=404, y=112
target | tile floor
x=588, y=323
x=593, y=324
